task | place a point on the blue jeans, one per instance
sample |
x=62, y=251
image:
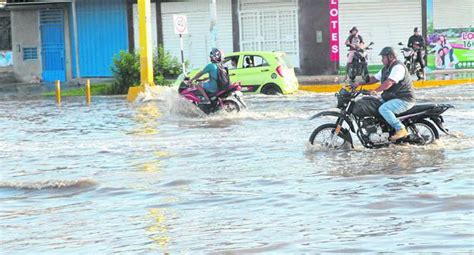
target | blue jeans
x=392, y=107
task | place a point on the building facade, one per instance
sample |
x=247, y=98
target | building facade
x=67, y=39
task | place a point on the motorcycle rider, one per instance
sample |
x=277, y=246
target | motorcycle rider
x=354, y=42
x=417, y=43
x=216, y=56
x=397, y=91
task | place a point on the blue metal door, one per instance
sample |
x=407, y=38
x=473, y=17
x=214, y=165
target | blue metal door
x=102, y=33
x=52, y=45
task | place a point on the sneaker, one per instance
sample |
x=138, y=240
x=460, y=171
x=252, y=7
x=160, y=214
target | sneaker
x=399, y=134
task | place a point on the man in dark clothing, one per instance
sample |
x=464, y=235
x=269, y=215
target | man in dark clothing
x=397, y=91
x=417, y=43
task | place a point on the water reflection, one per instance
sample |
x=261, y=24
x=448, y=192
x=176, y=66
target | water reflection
x=147, y=118
x=158, y=231
x=395, y=159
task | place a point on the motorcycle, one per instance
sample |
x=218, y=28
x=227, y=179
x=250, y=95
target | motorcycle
x=372, y=130
x=411, y=60
x=229, y=99
x=359, y=64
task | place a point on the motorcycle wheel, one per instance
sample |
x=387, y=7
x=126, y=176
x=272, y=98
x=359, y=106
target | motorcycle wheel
x=324, y=137
x=419, y=72
x=231, y=106
x=408, y=65
x=423, y=131
x=352, y=73
x=366, y=75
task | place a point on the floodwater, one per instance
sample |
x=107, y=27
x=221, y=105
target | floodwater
x=157, y=177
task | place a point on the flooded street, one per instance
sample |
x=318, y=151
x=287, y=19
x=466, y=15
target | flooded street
x=158, y=177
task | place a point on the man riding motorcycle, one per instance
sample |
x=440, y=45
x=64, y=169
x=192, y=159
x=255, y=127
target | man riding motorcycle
x=216, y=56
x=354, y=42
x=417, y=43
x=398, y=95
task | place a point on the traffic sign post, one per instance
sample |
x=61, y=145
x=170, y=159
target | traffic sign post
x=181, y=27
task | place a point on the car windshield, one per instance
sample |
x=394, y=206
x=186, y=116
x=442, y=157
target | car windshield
x=284, y=61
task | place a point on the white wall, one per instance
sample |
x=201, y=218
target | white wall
x=197, y=44
x=25, y=33
x=384, y=22
x=453, y=13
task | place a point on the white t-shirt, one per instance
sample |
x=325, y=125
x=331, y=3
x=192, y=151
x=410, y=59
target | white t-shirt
x=397, y=74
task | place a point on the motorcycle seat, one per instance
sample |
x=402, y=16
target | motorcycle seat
x=418, y=108
x=231, y=88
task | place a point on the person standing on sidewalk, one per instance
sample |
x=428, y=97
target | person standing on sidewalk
x=397, y=91
x=354, y=42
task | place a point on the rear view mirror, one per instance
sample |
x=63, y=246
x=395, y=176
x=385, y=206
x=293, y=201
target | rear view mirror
x=400, y=43
x=371, y=43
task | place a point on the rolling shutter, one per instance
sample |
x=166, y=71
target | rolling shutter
x=384, y=22
x=453, y=14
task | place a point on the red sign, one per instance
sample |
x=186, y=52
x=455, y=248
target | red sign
x=334, y=29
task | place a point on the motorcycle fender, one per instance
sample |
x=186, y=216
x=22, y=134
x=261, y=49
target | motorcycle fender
x=240, y=100
x=334, y=114
x=192, y=98
x=438, y=120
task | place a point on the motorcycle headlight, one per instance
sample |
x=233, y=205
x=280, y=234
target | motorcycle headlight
x=406, y=53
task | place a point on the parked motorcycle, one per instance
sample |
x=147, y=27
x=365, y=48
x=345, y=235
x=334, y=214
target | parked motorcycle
x=229, y=99
x=359, y=64
x=371, y=128
x=411, y=60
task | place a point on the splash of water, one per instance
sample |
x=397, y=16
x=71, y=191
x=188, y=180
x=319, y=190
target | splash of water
x=50, y=184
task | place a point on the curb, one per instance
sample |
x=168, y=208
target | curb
x=325, y=88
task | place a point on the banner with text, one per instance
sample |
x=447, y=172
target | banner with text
x=334, y=29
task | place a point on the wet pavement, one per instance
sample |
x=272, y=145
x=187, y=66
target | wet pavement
x=159, y=177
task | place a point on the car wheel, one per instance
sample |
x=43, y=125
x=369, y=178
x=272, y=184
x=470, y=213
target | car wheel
x=271, y=89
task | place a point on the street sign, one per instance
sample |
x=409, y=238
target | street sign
x=180, y=24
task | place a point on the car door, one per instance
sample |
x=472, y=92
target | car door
x=252, y=72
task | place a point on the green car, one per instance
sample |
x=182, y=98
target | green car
x=266, y=72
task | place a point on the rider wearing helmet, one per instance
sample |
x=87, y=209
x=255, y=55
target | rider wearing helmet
x=216, y=56
x=397, y=91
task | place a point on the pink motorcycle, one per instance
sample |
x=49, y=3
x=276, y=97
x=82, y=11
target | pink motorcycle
x=229, y=99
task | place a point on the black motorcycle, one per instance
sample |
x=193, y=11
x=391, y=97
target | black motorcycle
x=372, y=130
x=411, y=60
x=359, y=64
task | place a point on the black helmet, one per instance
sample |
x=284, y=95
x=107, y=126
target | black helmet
x=353, y=28
x=416, y=29
x=388, y=51
x=216, y=55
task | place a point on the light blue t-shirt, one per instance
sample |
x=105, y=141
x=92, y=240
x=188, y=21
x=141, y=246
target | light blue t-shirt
x=211, y=70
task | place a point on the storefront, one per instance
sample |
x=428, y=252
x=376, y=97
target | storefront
x=270, y=25
x=384, y=22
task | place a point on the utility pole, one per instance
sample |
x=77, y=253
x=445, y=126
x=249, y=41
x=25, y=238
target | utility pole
x=146, y=56
x=213, y=22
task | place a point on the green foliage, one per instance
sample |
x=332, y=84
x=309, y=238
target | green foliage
x=126, y=69
x=165, y=65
